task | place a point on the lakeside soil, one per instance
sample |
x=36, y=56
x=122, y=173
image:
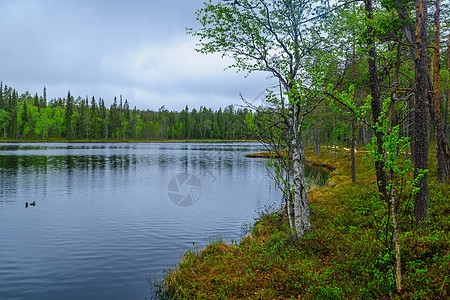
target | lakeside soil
x=348, y=255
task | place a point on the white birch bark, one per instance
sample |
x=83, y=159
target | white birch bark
x=302, y=218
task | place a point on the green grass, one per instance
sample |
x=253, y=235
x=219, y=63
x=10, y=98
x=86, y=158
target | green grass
x=346, y=255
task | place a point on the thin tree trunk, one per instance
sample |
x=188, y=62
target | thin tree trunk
x=398, y=264
x=448, y=92
x=353, y=149
x=301, y=207
x=334, y=137
x=352, y=139
x=376, y=101
x=421, y=206
x=412, y=133
x=405, y=132
x=316, y=139
x=435, y=109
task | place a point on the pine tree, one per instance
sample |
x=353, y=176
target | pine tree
x=68, y=115
x=44, y=98
x=186, y=123
x=94, y=119
x=126, y=120
x=36, y=101
x=2, y=104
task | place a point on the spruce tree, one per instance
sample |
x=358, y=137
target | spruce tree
x=68, y=115
x=44, y=98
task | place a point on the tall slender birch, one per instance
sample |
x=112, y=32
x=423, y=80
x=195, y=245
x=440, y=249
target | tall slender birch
x=280, y=37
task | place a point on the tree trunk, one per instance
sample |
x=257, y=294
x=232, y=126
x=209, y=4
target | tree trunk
x=334, y=137
x=407, y=27
x=435, y=109
x=412, y=133
x=448, y=92
x=353, y=150
x=398, y=264
x=376, y=101
x=442, y=147
x=288, y=199
x=421, y=207
x=443, y=152
x=301, y=207
x=316, y=140
x=352, y=138
x=405, y=131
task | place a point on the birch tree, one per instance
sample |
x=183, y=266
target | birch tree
x=280, y=37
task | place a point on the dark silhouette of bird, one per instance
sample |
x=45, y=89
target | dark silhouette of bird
x=31, y=203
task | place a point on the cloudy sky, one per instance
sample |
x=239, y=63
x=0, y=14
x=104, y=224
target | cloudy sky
x=106, y=48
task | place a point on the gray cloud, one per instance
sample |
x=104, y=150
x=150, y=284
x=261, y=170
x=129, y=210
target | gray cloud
x=138, y=49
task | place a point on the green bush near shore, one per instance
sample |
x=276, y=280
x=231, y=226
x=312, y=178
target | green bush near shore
x=348, y=254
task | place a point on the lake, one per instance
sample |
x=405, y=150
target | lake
x=109, y=217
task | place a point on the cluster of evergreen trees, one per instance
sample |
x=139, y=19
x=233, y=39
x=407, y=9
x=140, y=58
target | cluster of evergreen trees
x=34, y=117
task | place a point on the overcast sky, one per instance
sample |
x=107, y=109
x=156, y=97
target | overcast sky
x=106, y=48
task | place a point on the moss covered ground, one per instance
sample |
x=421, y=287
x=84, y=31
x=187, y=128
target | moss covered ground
x=349, y=253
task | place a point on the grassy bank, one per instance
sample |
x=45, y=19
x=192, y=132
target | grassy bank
x=346, y=256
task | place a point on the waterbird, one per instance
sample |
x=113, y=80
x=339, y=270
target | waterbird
x=26, y=204
x=33, y=203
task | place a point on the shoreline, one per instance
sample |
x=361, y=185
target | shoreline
x=270, y=155
x=127, y=141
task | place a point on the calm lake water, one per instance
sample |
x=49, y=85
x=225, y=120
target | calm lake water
x=110, y=217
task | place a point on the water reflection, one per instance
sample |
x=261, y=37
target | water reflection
x=26, y=164
x=103, y=222
x=211, y=162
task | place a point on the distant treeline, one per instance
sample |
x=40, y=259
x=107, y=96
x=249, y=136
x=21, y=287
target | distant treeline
x=34, y=117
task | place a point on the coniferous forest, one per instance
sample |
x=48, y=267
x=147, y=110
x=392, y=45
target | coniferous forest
x=28, y=117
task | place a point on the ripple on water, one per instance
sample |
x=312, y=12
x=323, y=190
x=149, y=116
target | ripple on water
x=103, y=222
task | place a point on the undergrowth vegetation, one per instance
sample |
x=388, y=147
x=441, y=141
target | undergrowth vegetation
x=349, y=254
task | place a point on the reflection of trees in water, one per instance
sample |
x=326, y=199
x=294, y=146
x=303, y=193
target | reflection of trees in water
x=21, y=163
x=8, y=177
x=22, y=172
x=44, y=163
x=27, y=172
x=216, y=161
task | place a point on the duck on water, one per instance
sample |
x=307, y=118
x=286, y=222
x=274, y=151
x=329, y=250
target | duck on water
x=31, y=204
